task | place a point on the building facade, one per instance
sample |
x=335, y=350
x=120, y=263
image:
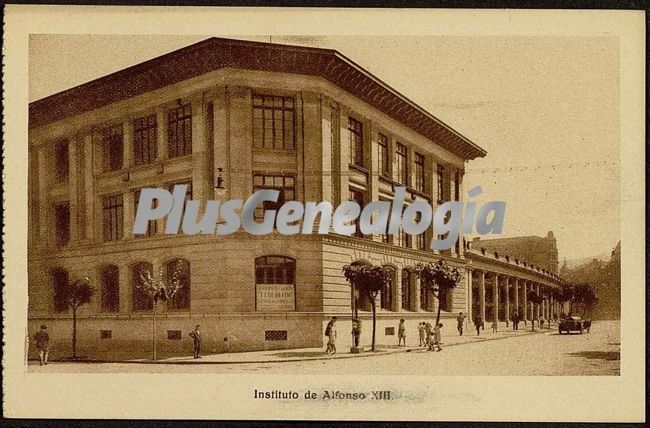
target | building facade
x=534, y=249
x=307, y=122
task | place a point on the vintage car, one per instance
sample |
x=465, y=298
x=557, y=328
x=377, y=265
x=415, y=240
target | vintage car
x=574, y=323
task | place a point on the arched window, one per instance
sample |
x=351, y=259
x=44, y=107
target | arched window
x=387, y=291
x=178, y=270
x=141, y=299
x=425, y=298
x=275, y=283
x=110, y=281
x=60, y=279
x=406, y=290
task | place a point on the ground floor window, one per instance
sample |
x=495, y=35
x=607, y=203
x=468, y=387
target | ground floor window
x=178, y=277
x=275, y=283
x=110, y=281
x=142, y=301
x=406, y=290
x=387, y=291
x=60, y=278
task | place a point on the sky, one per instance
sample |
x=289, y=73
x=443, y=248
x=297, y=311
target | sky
x=546, y=110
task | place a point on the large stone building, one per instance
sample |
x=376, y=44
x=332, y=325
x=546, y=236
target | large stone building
x=534, y=249
x=240, y=116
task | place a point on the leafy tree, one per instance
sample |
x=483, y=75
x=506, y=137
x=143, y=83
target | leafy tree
x=369, y=280
x=585, y=295
x=74, y=295
x=535, y=299
x=439, y=278
x=562, y=294
x=159, y=290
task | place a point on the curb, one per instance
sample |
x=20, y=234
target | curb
x=291, y=360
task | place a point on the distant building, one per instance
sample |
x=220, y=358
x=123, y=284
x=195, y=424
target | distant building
x=539, y=251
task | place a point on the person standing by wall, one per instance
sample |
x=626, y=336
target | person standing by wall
x=330, y=331
x=478, y=324
x=42, y=344
x=401, y=333
x=460, y=319
x=196, y=336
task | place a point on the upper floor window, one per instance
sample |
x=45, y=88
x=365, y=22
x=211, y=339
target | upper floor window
x=355, y=129
x=113, y=148
x=358, y=197
x=62, y=224
x=457, y=186
x=152, y=225
x=285, y=184
x=62, y=161
x=403, y=239
x=275, y=270
x=402, y=164
x=420, y=240
x=113, y=221
x=419, y=172
x=188, y=192
x=145, y=136
x=382, y=156
x=179, y=131
x=440, y=172
x=273, y=122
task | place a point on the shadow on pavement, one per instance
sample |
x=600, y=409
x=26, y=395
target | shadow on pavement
x=598, y=355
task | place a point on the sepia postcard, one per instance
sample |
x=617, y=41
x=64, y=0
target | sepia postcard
x=301, y=214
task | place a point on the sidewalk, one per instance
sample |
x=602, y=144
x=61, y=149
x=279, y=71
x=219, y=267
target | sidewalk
x=307, y=354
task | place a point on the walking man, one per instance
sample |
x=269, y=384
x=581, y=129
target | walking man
x=437, y=337
x=42, y=344
x=515, y=321
x=461, y=321
x=330, y=332
x=478, y=324
x=196, y=336
x=401, y=333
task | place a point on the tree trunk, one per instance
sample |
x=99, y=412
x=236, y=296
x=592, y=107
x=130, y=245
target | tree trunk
x=153, y=318
x=74, y=332
x=374, y=320
x=439, y=309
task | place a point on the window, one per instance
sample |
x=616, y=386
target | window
x=152, y=226
x=62, y=161
x=110, y=280
x=358, y=197
x=112, y=207
x=355, y=129
x=275, y=270
x=406, y=290
x=285, y=184
x=273, y=122
x=178, y=272
x=62, y=224
x=173, y=334
x=179, y=131
x=60, y=279
x=382, y=144
x=113, y=148
x=387, y=292
x=141, y=299
x=145, y=136
x=440, y=172
x=402, y=173
x=425, y=295
x=105, y=334
x=419, y=172
x=403, y=239
x=420, y=240
x=457, y=186
x=188, y=192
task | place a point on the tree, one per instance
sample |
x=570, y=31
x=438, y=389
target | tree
x=159, y=290
x=561, y=294
x=369, y=280
x=74, y=295
x=585, y=295
x=439, y=278
x=535, y=299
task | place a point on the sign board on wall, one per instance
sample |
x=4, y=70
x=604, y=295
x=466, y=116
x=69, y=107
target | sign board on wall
x=275, y=297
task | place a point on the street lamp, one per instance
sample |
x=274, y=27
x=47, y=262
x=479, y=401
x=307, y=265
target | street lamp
x=219, y=187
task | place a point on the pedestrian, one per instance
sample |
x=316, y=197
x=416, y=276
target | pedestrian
x=515, y=321
x=437, y=336
x=331, y=334
x=429, y=334
x=196, y=337
x=494, y=326
x=401, y=333
x=541, y=323
x=422, y=333
x=478, y=324
x=42, y=344
x=356, y=331
x=460, y=319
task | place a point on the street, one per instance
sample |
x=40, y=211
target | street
x=548, y=353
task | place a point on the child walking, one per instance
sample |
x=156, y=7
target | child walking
x=422, y=334
x=494, y=326
x=437, y=337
